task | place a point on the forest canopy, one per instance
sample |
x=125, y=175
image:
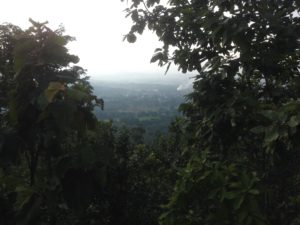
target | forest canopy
x=242, y=118
x=232, y=158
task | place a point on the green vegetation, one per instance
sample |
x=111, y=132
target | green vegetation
x=232, y=158
x=48, y=130
x=148, y=106
x=243, y=115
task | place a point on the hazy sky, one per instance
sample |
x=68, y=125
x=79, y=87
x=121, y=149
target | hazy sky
x=99, y=26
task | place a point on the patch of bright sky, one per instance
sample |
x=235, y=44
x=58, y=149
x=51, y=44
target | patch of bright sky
x=99, y=26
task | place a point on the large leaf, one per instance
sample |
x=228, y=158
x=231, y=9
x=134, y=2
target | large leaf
x=53, y=89
x=271, y=135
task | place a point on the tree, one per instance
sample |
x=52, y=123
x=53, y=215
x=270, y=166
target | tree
x=139, y=175
x=8, y=31
x=58, y=164
x=243, y=112
x=50, y=155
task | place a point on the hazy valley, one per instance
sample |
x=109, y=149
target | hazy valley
x=148, y=106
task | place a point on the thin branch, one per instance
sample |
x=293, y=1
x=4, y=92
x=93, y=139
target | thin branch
x=146, y=7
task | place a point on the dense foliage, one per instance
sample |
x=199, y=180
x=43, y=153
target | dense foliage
x=49, y=142
x=243, y=115
x=232, y=159
x=58, y=163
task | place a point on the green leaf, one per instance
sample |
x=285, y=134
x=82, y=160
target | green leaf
x=53, y=89
x=131, y=38
x=229, y=195
x=294, y=121
x=238, y=203
x=271, y=135
x=157, y=56
x=254, y=191
x=270, y=114
x=168, y=67
x=258, y=130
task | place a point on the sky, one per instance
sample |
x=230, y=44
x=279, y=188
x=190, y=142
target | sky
x=99, y=27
